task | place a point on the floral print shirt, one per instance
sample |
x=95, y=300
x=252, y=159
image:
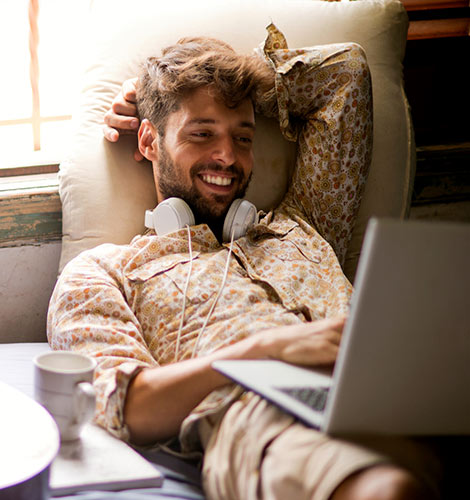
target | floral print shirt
x=123, y=305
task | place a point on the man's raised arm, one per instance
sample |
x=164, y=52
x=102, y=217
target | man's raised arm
x=325, y=104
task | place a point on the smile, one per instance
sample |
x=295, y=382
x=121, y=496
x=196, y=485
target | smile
x=217, y=180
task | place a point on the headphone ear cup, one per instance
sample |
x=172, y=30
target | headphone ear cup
x=241, y=215
x=169, y=216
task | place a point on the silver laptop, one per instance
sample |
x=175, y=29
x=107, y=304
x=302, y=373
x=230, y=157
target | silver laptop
x=404, y=361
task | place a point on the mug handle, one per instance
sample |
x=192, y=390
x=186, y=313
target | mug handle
x=84, y=402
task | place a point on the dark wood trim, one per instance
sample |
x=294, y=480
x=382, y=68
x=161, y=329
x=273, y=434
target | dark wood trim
x=412, y=5
x=439, y=28
x=442, y=174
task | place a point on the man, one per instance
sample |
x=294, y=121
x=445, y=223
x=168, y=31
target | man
x=156, y=313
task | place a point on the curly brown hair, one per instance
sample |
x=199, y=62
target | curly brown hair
x=195, y=62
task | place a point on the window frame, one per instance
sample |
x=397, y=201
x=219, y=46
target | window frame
x=35, y=160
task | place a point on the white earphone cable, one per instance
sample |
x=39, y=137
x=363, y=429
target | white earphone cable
x=186, y=285
x=224, y=279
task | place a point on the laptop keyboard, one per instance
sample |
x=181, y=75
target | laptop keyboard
x=314, y=397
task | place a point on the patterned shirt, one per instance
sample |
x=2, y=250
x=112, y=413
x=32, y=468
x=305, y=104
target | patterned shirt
x=124, y=304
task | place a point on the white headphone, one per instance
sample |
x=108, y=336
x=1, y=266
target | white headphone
x=174, y=213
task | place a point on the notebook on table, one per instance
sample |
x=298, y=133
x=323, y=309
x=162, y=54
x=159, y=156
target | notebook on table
x=99, y=461
x=404, y=361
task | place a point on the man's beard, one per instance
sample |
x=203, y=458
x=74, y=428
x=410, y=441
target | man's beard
x=170, y=185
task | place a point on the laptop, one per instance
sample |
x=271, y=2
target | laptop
x=403, y=366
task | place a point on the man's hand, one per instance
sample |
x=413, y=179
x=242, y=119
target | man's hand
x=159, y=399
x=314, y=343
x=122, y=118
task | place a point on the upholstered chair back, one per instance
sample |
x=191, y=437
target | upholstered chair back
x=105, y=193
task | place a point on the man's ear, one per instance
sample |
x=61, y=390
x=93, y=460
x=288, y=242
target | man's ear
x=148, y=146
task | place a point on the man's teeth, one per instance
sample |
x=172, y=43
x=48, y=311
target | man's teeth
x=215, y=179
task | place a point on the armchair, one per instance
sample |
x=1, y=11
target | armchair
x=105, y=193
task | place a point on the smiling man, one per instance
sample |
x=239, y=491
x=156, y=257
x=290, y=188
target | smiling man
x=204, y=156
x=157, y=312
x=197, y=127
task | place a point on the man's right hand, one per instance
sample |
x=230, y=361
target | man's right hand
x=122, y=117
x=159, y=399
x=313, y=344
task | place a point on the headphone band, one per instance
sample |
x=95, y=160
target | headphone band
x=173, y=214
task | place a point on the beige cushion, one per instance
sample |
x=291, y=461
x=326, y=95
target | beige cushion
x=105, y=192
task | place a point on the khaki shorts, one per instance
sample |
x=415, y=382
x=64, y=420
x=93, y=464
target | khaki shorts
x=255, y=451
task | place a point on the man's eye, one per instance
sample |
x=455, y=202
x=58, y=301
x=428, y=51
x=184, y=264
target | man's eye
x=202, y=135
x=245, y=140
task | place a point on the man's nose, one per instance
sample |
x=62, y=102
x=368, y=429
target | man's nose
x=224, y=151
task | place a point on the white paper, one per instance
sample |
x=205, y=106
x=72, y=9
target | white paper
x=99, y=461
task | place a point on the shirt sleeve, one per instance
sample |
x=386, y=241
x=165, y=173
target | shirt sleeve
x=88, y=313
x=324, y=103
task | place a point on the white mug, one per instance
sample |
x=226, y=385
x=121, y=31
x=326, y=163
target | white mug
x=63, y=385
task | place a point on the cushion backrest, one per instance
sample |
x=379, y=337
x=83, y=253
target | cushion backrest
x=105, y=192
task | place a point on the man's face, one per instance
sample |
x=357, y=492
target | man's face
x=206, y=156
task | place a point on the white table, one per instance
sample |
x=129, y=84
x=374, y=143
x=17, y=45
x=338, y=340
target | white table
x=29, y=442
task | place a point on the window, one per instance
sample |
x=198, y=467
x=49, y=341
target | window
x=42, y=44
